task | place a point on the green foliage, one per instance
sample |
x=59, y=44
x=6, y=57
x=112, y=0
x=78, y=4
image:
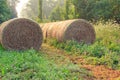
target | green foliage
x=57, y=14
x=94, y=9
x=4, y=11
x=105, y=50
x=67, y=11
x=108, y=35
x=26, y=65
x=111, y=59
x=95, y=50
x=32, y=65
x=40, y=10
x=88, y=9
x=70, y=10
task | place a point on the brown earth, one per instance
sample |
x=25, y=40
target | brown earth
x=100, y=72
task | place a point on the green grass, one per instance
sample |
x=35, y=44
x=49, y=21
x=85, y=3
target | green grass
x=105, y=50
x=32, y=65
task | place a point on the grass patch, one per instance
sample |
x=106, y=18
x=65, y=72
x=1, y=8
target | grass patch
x=105, y=50
x=32, y=65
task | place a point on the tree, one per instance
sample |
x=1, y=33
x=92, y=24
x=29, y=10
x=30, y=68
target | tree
x=116, y=10
x=80, y=7
x=47, y=7
x=67, y=4
x=40, y=10
x=57, y=14
x=12, y=5
x=4, y=11
x=97, y=9
x=70, y=9
x=102, y=10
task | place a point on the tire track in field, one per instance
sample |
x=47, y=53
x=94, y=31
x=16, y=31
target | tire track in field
x=100, y=72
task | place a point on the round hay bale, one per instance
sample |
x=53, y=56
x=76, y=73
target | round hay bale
x=44, y=30
x=78, y=29
x=20, y=34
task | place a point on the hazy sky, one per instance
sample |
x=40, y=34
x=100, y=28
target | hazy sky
x=30, y=8
x=20, y=5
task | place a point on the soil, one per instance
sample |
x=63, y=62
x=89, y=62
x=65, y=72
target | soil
x=100, y=72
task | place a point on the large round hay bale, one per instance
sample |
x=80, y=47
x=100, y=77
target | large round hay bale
x=78, y=29
x=20, y=34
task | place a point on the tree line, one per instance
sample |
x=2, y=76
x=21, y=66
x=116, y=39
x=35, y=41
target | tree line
x=92, y=10
x=55, y=10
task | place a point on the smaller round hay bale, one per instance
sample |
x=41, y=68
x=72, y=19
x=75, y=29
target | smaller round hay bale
x=79, y=30
x=44, y=30
x=20, y=34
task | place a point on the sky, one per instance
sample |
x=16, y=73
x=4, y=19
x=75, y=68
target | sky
x=21, y=5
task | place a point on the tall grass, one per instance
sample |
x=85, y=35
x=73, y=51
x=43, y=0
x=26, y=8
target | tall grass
x=109, y=35
x=105, y=50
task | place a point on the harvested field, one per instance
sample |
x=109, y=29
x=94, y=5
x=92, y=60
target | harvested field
x=20, y=34
x=79, y=30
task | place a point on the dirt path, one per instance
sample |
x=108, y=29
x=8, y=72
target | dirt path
x=99, y=72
